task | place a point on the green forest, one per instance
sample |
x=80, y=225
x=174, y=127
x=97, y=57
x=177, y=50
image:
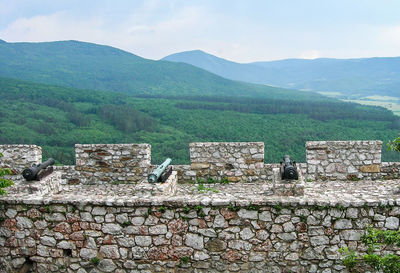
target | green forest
x=56, y=118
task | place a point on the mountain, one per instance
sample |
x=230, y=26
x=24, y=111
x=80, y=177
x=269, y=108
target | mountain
x=97, y=67
x=224, y=68
x=357, y=77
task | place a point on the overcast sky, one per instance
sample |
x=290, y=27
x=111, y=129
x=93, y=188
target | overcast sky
x=242, y=31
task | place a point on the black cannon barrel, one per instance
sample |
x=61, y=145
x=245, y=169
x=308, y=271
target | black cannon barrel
x=32, y=173
x=289, y=169
x=286, y=159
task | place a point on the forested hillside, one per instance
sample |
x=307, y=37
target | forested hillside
x=97, y=67
x=58, y=117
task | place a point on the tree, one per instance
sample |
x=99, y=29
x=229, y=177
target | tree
x=394, y=145
x=4, y=183
x=376, y=241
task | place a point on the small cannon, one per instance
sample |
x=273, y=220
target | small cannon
x=39, y=171
x=161, y=173
x=288, y=169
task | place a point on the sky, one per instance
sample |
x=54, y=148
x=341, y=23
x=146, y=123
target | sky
x=241, y=31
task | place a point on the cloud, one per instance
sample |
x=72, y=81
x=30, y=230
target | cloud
x=310, y=54
x=57, y=26
x=391, y=35
x=156, y=28
x=138, y=32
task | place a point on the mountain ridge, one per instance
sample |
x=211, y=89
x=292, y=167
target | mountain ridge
x=362, y=76
x=98, y=67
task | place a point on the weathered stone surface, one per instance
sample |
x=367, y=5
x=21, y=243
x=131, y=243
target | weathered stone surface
x=343, y=160
x=66, y=245
x=343, y=224
x=200, y=256
x=110, y=251
x=239, y=245
x=99, y=211
x=287, y=236
x=319, y=240
x=197, y=166
x=143, y=240
x=177, y=226
x=195, y=241
x=370, y=168
x=350, y=235
x=239, y=229
x=10, y=213
x=215, y=245
x=86, y=216
x=246, y=234
x=48, y=241
x=392, y=223
x=219, y=222
x=24, y=222
x=265, y=216
x=87, y=253
x=248, y=214
x=111, y=228
x=235, y=161
x=158, y=229
x=107, y=265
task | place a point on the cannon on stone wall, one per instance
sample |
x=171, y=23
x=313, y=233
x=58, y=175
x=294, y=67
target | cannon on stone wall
x=288, y=169
x=39, y=171
x=161, y=173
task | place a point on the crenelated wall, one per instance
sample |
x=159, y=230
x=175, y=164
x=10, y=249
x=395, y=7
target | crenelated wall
x=101, y=222
x=235, y=161
x=19, y=157
x=343, y=160
x=107, y=163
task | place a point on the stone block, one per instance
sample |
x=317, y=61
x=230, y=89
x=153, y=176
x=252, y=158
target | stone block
x=199, y=166
x=287, y=187
x=373, y=168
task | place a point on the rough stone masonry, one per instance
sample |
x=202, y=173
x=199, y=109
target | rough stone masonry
x=118, y=226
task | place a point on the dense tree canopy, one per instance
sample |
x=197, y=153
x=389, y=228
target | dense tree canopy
x=57, y=117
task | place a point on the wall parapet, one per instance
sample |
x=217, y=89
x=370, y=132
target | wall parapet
x=18, y=157
x=343, y=160
x=237, y=161
x=119, y=226
x=106, y=163
x=234, y=161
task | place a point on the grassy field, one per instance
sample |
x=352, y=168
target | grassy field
x=391, y=103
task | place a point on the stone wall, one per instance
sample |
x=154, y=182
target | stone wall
x=237, y=161
x=187, y=174
x=108, y=163
x=69, y=175
x=18, y=157
x=343, y=160
x=80, y=238
x=390, y=170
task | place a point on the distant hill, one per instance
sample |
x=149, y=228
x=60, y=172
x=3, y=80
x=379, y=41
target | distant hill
x=357, y=77
x=97, y=67
x=227, y=69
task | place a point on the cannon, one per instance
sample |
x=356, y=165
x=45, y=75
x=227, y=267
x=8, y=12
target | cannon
x=288, y=169
x=39, y=171
x=161, y=173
